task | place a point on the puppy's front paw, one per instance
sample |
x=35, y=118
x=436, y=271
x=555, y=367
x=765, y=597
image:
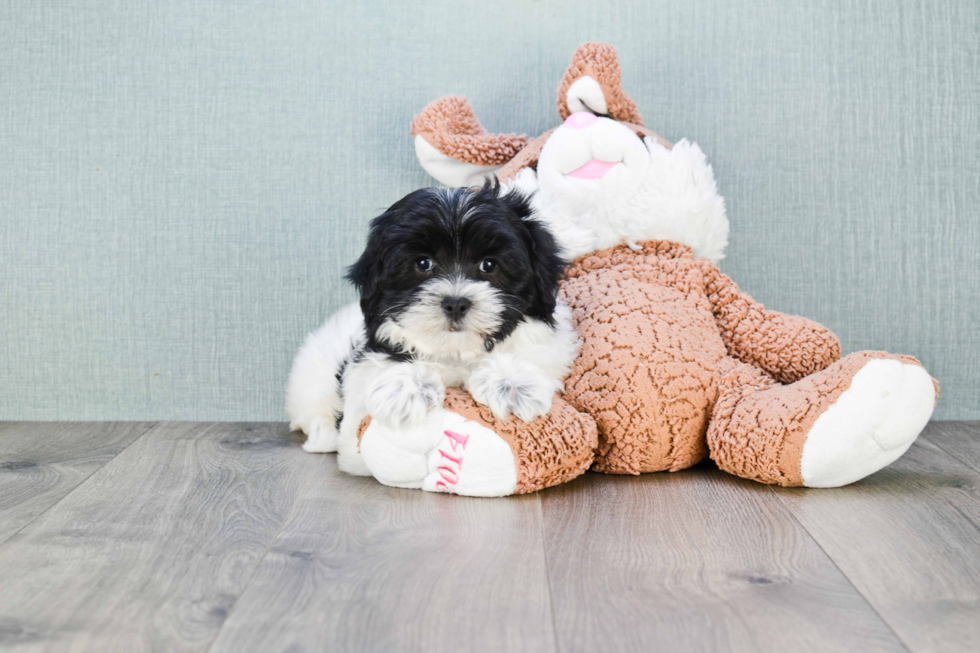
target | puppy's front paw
x=321, y=435
x=404, y=395
x=517, y=388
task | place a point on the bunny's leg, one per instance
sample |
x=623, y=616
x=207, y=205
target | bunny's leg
x=828, y=429
x=464, y=449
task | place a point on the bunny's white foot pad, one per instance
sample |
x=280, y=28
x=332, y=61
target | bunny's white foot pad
x=870, y=425
x=448, y=453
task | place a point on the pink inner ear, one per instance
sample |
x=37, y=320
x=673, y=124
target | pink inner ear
x=594, y=169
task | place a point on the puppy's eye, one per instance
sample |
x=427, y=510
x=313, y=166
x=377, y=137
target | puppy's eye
x=488, y=265
x=424, y=264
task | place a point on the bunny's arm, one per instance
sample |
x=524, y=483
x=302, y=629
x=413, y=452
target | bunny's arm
x=787, y=347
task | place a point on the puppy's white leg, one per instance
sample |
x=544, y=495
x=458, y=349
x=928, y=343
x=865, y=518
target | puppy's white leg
x=321, y=435
x=404, y=393
x=551, y=349
x=523, y=373
x=392, y=393
x=313, y=398
x=398, y=395
x=506, y=384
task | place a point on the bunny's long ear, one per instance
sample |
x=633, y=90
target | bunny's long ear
x=593, y=83
x=454, y=148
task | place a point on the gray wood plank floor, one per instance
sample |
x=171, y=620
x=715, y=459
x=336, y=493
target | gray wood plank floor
x=42, y=462
x=227, y=537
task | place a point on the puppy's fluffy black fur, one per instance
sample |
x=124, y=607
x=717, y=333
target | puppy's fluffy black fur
x=457, y=229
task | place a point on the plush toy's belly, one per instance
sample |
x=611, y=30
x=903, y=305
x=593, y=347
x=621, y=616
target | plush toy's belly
x=648, y=371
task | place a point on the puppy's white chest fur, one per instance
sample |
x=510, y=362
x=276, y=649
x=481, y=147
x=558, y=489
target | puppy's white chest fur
x=550, y=350
x=520, y=376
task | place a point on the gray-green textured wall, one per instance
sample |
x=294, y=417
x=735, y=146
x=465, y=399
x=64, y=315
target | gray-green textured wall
x=183, y=182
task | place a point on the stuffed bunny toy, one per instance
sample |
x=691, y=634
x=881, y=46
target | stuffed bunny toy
x=675, y=364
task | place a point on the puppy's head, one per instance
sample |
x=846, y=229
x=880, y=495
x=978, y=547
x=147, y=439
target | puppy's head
x=454, y=271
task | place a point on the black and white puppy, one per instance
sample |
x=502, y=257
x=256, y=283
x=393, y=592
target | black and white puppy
x=458, y=288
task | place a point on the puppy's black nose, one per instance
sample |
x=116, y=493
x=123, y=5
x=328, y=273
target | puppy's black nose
x=456, y=307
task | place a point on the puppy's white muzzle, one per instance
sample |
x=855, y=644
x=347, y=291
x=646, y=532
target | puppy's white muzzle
x=453, y=315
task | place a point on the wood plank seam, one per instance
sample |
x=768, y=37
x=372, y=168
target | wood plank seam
x=547, y=576
x=842, y=573
x=272, y=541
x=937, y=442
x=85, y=480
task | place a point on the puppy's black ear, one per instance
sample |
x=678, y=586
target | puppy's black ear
x=366, y=273
x=547, y=264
